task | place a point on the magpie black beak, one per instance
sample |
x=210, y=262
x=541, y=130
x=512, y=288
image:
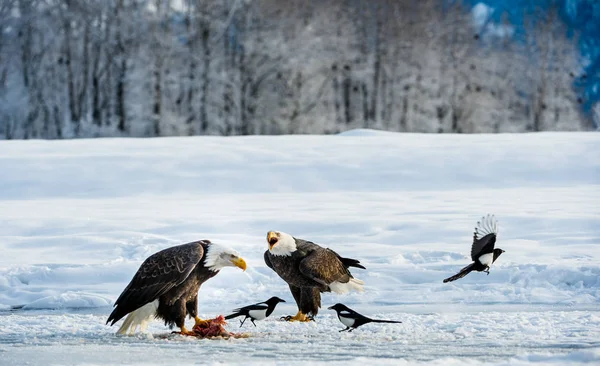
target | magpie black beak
x=330, y=308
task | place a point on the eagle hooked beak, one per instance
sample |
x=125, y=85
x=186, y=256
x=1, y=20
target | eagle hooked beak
x=239, y=262
x=272, y=238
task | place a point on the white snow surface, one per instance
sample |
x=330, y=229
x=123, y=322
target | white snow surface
x=78, y=217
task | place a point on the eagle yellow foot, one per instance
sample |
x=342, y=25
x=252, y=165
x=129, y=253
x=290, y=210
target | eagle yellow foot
x=201, y=323
x=299, y=317
x=186, y=332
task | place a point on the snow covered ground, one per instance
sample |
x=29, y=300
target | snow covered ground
x=78, y=217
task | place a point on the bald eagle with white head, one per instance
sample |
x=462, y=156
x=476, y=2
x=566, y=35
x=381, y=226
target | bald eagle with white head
x=309, y=270
x=167, y=283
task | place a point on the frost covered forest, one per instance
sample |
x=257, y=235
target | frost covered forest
x=80, y=68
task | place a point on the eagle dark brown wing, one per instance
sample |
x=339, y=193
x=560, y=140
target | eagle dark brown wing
x=158, y=274
x=305, y=246
x=324, y=266
x=267, y=260
x=484, y=237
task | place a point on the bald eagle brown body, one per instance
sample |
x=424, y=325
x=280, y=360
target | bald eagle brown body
x=172, y=278
x=310, y=270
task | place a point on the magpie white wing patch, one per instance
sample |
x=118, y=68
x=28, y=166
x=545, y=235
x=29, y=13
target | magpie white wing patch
x=487, y=259
x=346, y=321
x=258, y=314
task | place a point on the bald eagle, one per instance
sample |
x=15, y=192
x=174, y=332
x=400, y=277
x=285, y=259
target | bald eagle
x=309, y=269
x=166, y=285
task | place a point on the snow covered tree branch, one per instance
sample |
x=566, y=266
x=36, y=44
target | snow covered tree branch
x=75, y=68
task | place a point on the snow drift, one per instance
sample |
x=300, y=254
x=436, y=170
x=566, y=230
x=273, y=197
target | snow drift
x=78, y=217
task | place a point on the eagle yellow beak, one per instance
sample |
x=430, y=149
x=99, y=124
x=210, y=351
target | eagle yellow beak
x=272, y=239
x=240, y=263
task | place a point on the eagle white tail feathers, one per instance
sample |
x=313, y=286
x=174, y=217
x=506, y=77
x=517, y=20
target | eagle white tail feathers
x=140, y=317
x=353, y=285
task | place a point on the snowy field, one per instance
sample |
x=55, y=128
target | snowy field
x=78, y=217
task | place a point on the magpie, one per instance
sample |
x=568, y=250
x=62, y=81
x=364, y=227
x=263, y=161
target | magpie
x=483, y=253
x=257, y=311
x=352, y=320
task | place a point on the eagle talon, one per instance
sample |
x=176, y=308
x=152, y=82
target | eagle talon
x=299, y=317
x=188, y=333
x=185, y=332
x=177, y=274
x=200, y=323
x=309, y=270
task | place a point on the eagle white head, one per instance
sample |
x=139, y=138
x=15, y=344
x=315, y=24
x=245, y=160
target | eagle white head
x=219, y=256
x=281, y=243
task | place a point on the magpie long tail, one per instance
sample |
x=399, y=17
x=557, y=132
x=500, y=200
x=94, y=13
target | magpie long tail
x=384, y=321
x=234, y=315
x=465, y=271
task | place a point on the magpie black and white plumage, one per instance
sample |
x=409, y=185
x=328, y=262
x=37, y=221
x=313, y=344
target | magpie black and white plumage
x=483, y=252
x=352, y=320
x=258, y=311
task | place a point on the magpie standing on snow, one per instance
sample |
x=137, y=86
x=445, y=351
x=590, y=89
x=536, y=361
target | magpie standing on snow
x=352, y=320
x=483, y=253
x=257, y=311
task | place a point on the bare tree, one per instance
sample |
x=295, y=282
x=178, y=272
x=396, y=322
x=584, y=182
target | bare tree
x=554, y=101
x=75, y=68
x=596, y=115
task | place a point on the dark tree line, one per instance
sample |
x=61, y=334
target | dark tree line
x=79, y=68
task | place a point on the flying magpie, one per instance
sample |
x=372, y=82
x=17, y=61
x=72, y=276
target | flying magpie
x=257, y=311
x=483, y=253
x=352, y=320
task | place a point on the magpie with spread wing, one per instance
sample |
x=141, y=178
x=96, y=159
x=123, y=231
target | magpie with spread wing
x=352, y=320
x=483, y=253
x=258, y=311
